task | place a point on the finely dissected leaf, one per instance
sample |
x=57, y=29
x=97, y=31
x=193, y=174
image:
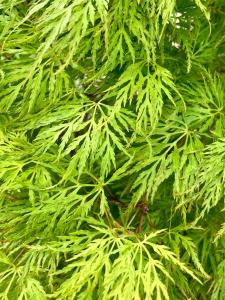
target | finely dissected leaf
x=112, y=139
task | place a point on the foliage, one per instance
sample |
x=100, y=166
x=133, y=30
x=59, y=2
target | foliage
x=112, y=139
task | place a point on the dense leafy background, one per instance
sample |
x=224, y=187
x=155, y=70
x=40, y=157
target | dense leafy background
x=112, y=142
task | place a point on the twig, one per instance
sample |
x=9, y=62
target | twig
x=114, y=199
x=144, y=211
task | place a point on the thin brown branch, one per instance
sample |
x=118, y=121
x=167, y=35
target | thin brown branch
x=114, y=199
